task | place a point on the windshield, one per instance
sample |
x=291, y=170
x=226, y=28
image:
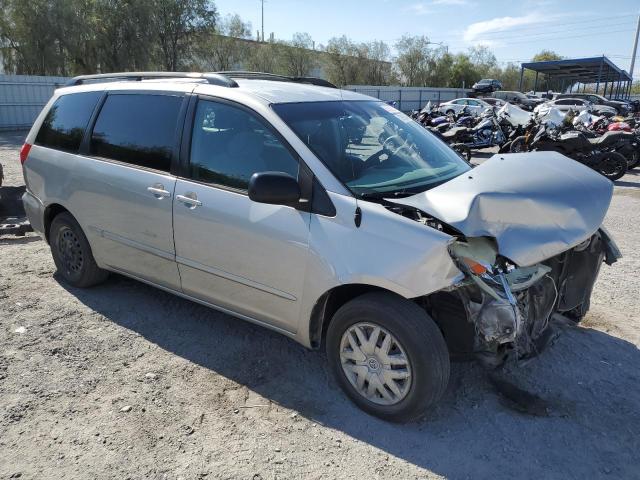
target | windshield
x=374, y=149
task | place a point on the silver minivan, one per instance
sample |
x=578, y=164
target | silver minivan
x=326, y=215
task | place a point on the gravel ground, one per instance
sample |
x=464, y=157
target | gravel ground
x=126, y=381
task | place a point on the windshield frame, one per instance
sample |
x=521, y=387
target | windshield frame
x=404, y=188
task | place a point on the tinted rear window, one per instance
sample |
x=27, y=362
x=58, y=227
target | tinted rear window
x=139, y=129
x=64, y=125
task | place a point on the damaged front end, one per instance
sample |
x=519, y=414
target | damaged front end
x=510, y=307
x=527, y=234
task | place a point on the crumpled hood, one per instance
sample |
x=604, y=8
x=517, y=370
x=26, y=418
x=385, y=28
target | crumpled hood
x=536, y=205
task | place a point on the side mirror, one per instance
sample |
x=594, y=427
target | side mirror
x=276, y=188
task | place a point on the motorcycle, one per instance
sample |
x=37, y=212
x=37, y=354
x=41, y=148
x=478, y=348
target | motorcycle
x=597, y=153
x=593, y=127
x=487, y=133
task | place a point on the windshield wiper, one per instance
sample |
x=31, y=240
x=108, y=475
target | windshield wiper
x=382, y=195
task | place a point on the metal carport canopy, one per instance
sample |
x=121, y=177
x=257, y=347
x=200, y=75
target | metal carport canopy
x=583, y=70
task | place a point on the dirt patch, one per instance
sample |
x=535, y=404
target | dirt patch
x=126, y=381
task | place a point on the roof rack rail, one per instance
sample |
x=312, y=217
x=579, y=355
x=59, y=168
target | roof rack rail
x=211, y=78
x=272, y=76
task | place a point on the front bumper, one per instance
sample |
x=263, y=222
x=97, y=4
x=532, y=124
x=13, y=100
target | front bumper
x=513, y=320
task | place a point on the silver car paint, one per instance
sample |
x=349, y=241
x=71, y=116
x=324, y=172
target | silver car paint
x=387, y=250
x=536, y=205
x=129, y=228
x=242, y=255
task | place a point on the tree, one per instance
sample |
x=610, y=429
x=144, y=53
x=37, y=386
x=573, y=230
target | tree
x=413, y=59
x=122, y=40
x=176, y=23
x=263, y=57
x=483, y=60
x=27, y=30
x=546, y=56
x=226, y=48
x=374, y=57
x=341, y=61
x=297, y=56
x=463, y=72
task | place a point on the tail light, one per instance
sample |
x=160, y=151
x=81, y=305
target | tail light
x=24, y=152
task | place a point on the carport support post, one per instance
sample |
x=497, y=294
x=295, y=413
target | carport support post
x=599, y=75
x=535, y=84
x=611, y=90
x=521, y=76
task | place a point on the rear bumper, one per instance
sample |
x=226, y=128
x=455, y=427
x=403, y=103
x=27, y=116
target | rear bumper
x=34, y=209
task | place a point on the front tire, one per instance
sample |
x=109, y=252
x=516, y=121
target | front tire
x=72, y=253
x=388, y=356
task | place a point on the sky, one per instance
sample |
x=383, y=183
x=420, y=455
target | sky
x=515, y=30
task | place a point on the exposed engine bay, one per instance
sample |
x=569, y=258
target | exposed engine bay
x=500, y=310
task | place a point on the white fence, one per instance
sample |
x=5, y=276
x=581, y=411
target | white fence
x=410, y=98
x=22, y=97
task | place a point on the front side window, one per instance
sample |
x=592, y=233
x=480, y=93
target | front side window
x=139, y=129
x=64, y=125
x=372, y=148
x=230, y=144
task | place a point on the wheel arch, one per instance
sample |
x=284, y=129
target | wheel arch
x=329, y=303
x=50, y=212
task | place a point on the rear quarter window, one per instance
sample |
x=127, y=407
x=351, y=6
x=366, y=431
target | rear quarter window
x=66, y=121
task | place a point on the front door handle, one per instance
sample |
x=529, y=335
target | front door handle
x=190, y=199
x=158, y=191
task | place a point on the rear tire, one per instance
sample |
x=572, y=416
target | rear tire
x=396, y=374
x=72, y=253
x=613, y=165
x=633, y=159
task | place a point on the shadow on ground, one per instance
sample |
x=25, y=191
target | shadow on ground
x=589, y=379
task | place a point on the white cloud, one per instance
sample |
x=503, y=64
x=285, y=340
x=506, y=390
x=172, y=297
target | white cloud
x=450, y=2
x=475, y=31
x=422, y=8
x=417, y=9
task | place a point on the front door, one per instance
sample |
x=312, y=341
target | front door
x=237, y=254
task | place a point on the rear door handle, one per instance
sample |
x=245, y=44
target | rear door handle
x=158, y=191
x=190, y=199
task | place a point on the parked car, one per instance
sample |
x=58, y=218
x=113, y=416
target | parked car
x=475, y=106
x=487, y=85
x=518, y=98
x=494, y=102
x=579, y=104
x=246, y=195
x=620, y=107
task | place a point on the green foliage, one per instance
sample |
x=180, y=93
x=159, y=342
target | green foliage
x=71, y=37
x=546, y=56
